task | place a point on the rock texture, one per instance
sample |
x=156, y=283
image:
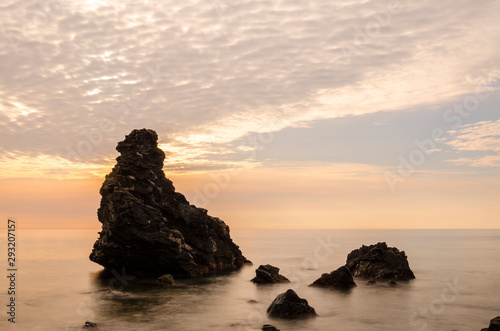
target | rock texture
x=165, y=280
x=267, y=274
x=289, y=305
x=494, y=325
x=379, y=262
x=339, y=279
x=150, y=229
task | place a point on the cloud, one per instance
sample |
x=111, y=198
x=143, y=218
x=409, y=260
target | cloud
x=21, y=166
x=478, y=137
x=486, y=161
x=227, y=68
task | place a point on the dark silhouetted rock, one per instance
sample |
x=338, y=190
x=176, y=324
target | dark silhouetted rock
x=165, y=280
x=340, y=279
x=267, y=274
x=379, y=262
x=89, y=325
x=494, y=325
x=150, y=229
x=289, y=305
x=269, y=327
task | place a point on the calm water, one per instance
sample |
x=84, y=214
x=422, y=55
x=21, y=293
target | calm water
x=457, y=285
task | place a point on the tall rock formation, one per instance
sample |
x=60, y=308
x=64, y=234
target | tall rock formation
x=148, y=228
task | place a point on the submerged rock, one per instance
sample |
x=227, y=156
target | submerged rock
x=150, y=229
x=392, y=282
x=269, y=327
x=112, y=294
x=267, y=274
x=165, y=280
x=379, y=262
x=89, y=324
x=289, y=305
x=494, y=325
x=340, y=279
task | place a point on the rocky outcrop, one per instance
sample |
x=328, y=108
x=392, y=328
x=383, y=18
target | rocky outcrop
x=379, y=262
x=150, y=229
x=494, y=325
x=290, y=306
x=339, y=279
x=267, y=274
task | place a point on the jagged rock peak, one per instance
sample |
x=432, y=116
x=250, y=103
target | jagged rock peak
x=378, y=261
x=149, y=228
x=268, y=274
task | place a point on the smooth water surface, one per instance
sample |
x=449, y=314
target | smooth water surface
x=457, y=285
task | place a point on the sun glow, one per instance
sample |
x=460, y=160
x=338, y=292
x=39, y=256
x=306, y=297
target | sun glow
x=17, y=165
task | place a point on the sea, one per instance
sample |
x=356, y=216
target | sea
x=457, y=284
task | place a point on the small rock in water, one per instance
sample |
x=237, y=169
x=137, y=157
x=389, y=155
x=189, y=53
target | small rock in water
x=89, y=324
x=340, y=279
x=379, y=262
x=268, y=274
x=269, y=327
x=289, y=305
x=165, y=280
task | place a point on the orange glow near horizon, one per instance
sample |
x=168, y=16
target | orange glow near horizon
x=313, y=197
x=51, y=203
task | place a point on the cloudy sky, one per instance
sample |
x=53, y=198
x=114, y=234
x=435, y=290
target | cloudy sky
x=285, y=114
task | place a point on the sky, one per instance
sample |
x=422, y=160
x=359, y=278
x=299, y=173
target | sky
x=272, y=114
